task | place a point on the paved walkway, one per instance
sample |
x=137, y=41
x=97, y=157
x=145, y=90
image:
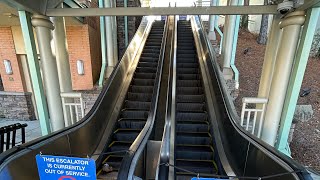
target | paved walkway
x=33, y=130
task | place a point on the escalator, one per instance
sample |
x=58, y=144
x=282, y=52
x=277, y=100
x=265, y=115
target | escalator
x=120, y=121
x=201, y=136
x=136, y=106
x=194, y=149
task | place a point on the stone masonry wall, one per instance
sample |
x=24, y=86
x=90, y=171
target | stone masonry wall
x=89, y=99
x=133, y=24
x=16, y=106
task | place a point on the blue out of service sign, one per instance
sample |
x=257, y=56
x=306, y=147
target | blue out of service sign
x=65, y=168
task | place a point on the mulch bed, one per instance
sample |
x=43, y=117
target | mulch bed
x=305, y=146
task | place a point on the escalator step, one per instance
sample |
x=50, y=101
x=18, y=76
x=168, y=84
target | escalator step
x=143, y=82
x=188, y=71
x=190, y=107
x=147, y=50
x=188, y=83
x=186, y=40
x=119, y=146
x=188, y=77
x=187, y=55
x=184, y=30
x=145, y=75
x=155, y=39
x=141, y=89
x=139, y=96
x=185, y=33
x=190, y=138
x=126, y=134
x=190, y=90
x=127, y=113
x=200, y=115
x=192, y=126
x=188, y=65
x=145, y=54
x=190, y=47
x=131, y=123
x=114, y=162
x=137, y=105
x=194, y=152
x=157, y=30
x=206, y=167
x=152, y=47
x=146, y=70
x=190, y=98
x=189, y=37
x=155, y=35
x=152, y=44
x=148, y=59
x=148, y=64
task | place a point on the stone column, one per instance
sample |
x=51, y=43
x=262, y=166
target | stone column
x=269, y=58
x=269, y=63
x=291, y=26
x=212, y=21
x=62, y=59
x=61, y=53
x=110, y=39
x=43, y=27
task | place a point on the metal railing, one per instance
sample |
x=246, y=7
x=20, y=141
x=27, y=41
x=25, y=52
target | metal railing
x=72, y=103
x=8, y=136
x=258, y=112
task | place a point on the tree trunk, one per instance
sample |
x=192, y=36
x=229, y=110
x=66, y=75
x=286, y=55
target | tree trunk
x=245, y=18
x=263, y=35
x=262, y=38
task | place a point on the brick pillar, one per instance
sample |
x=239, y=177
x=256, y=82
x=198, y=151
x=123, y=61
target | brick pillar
x=14, y=82
x=79, y=49
x=84, y=44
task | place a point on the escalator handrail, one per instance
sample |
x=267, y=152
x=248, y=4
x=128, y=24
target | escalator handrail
x=162, y=172
x=128, y=165
x=33, y=145
x=232, y=115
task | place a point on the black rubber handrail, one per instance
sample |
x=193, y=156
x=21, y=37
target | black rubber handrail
x=162, y=172
x=128, y=165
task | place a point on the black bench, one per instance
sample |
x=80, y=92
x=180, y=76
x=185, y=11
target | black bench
x=7, y=131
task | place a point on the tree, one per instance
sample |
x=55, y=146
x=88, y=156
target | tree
x=263, y=34
x=245, y=18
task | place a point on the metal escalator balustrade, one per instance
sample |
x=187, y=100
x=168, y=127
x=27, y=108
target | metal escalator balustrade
x=194, y=150
x=136, y=107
